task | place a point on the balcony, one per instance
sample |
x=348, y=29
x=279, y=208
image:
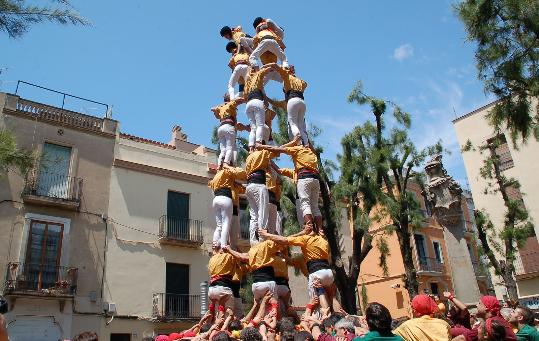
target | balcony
x=52, y=189
x=174, y=307
x=479, y=269
x=180, y=231
x=40, y=280
x=429, y=265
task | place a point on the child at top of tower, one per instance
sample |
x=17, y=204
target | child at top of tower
x=239, y=37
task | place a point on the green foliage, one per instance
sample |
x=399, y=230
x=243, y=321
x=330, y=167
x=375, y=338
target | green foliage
x=16, y=16
x=385, y=252
x=13, y=157
x=376, y=167
x=507, y=57
x=364, y=296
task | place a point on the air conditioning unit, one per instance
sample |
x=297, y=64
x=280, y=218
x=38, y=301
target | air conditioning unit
x=109, y=308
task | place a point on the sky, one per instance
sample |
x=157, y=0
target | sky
x=163, y=62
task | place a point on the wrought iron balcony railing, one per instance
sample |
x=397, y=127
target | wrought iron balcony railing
x=181, y=230
x=429, y=265
x=170, y=307
x=53, y=186
x=39, y=279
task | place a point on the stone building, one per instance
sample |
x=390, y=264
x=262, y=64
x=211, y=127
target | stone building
x=518, y=162
x=53, y=220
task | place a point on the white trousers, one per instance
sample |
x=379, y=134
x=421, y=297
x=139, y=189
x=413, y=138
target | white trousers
x=326, y=279
x=260, y=288
x=256, y=113
x=258, y=198
x=226, y=134
x=222, y=208
x=234, y=231
x=296, y=109
x=266, y=134
x=238, y=307
x=267, y=45
x=241, y=70
x=218, y=292
x=272, y=218
x=299, y=213
x=308, y=191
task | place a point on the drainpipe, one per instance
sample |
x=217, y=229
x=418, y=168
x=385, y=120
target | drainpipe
x=203, y=297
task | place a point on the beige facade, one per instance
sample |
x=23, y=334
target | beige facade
x=150, y=240
x=520, y=164
x=53, y=234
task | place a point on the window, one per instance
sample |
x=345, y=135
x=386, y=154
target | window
x=420, y=248
x=178, y=225
x=177, y=290
x=434, y=289
x=53, y=179
x=43, y=254
x=438, y=252
x=400, y=299
x=500, y=148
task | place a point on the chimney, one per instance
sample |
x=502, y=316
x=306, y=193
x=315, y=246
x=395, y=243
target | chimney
x=177, y=136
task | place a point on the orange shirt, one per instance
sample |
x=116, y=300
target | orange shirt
x=259, y=160
x=313, y=247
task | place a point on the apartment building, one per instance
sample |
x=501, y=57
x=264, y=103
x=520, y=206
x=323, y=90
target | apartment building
x=52, y=250
x=159, y=238
x=517, y=162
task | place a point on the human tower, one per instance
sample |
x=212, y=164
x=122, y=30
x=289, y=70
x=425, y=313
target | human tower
x=256, y=60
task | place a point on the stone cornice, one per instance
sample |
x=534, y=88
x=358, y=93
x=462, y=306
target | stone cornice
x=161, y=171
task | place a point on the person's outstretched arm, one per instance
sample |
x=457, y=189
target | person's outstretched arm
x=241, y=256
x=452, y=298
x=276, y=238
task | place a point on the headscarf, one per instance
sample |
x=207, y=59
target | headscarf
x=492, y=304
x=424, y=305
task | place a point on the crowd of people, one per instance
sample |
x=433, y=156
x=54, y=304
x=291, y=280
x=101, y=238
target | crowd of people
x=431, y=321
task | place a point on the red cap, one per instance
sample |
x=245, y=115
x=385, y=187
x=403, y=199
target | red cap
x=162, y=338
x=492, y=304
x=424, y=305
x=175, y=336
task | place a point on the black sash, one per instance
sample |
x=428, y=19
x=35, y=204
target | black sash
x=305, y=173
x=255, y=94
x=223, y=281
x=235, y=210
x=236, y=289
x=224, y=191
x=282, y=281
x=293, y=93
x=264, y=274
x=318, y=264
x=257, y=177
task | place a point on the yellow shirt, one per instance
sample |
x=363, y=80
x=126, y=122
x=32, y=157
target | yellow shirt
x=312, y=247
x=289, y=173
x=267, y=32
x=221, y=264
x=272, y=184
x=255, y=81
x=259, y=160
x=303, y=157
x=268, y=57
x=291, y=82
x=237, y=34
x=237, y=189
x=240, y=269
x=424, y=328
x=238, y=58
x=280, y=267
x=225, y=178
x=226, y=110
x=262, y=254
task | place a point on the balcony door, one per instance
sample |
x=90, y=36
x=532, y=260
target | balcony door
x=178, y=215
x=41, y=268
x=420, y=249
x=53, y=178
x=177, y=290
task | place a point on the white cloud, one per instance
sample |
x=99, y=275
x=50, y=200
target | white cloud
x=403, y=52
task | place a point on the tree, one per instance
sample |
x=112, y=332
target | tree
x=11, y=157
x=378, y=175
x=517, y=226
x=16, y=16
x=507, y=57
